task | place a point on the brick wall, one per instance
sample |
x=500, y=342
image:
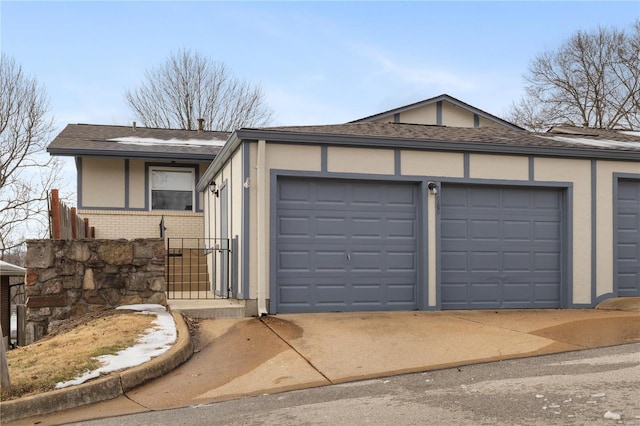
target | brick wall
x=114, y=224
x=68, y=278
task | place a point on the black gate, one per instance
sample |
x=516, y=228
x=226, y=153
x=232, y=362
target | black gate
x=198, y=268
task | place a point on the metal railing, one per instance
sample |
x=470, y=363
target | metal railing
x=198, y=268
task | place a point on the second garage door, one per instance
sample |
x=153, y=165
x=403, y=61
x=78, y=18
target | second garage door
x=628, y=238
x=501, y=247
x=345, y=245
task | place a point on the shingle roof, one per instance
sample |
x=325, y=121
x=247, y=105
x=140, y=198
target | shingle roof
x=125, y=141
x=598, y=140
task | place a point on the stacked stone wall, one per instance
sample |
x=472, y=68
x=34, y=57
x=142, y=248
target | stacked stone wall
x=68, y=278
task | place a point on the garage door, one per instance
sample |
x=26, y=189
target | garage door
x=628, y=238
x=500, y=247
x=345, y=245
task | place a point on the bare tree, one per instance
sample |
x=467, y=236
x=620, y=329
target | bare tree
x=188, y=86
x=26, y=172
x=592, y=80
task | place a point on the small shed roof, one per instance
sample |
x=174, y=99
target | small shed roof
x=10, y=270
x=130, y=141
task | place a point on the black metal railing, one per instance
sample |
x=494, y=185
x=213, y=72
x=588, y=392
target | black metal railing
x=198, y=268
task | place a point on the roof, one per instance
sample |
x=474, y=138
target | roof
x=605, y=144
x=7, y=269
x=129, y=141
x=443, y=97
x=420, y=134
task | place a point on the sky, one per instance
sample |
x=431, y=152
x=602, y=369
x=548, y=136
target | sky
x=317, y=62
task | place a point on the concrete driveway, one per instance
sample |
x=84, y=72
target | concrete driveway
x=251, y=356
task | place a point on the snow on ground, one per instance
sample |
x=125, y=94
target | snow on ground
x=156, y=341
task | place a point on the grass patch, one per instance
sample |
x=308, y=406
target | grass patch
x=38, y=367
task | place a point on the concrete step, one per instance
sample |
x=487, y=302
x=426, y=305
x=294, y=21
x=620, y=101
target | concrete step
x=208, y=308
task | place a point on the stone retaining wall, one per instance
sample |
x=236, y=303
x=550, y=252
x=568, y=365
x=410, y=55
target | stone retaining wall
x=68, y=278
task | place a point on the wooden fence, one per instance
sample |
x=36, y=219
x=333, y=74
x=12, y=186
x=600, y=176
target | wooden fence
x=64, y=222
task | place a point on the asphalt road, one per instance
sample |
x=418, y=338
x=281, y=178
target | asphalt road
x=590, y=387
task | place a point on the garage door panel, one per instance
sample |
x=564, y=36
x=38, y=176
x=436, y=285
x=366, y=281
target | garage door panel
x=330, y=227
x=484, y=292
x=483, y=198
x=294, y=226
x=454, y=228
x=294, y=261
x=517, y=230
x=485, y=261
x=627, y=222
x=514, y=292
x=547, y=231
x=485, y=229
x=512, y=246
x=402, y=197
x=361, y=240
x=516, y=261
x=546, y=262
x=627, y=280
x=452, y=261
x=515, y=200
x=398, y=229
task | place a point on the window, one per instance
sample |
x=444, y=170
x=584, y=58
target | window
x=172, y=189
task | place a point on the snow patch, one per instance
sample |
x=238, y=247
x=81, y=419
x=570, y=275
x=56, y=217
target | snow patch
x=630, y=132
x=603, y=143
x=611, y=415
x=157, y=341
x=132, y=140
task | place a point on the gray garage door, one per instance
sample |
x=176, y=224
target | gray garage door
x=500, y=247
x=345, y=245
x=628, y=238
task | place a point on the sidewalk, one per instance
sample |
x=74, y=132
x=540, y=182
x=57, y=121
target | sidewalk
x=250, y=356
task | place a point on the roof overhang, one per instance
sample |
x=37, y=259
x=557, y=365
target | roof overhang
x=10, y=270
x=74, y=152
x=276, y=136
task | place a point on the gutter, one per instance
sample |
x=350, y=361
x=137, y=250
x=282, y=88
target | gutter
x=278, y=136
x=68, y=152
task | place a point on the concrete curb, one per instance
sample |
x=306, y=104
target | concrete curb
x=102, y=389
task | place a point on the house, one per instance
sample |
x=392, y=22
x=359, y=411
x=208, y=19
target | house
x=382, y=214
x=135, y=182
x=130, y=179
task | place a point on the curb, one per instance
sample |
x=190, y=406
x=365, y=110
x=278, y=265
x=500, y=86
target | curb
x=109, y=387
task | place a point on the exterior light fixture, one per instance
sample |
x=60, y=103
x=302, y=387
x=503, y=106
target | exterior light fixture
x=433, y=188
x=212, y=188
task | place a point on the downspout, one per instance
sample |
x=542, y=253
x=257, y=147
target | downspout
x=262, y=231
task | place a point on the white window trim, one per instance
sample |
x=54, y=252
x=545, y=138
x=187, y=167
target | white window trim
x=173, y=169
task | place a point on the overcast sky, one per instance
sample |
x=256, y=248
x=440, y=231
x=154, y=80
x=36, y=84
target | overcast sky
x=318, y=63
